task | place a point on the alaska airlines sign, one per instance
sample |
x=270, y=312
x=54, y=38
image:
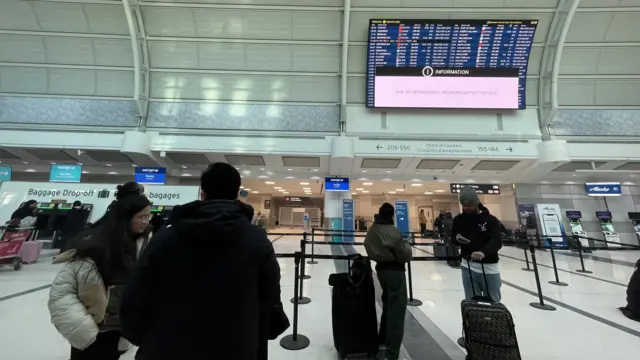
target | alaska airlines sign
x=603, y=189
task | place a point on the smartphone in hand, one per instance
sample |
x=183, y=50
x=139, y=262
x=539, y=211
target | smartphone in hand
x=462, y=240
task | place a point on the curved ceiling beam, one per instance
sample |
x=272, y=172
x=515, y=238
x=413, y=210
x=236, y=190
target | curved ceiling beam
x=344, y=69
x=140, y=60
x=550, y=66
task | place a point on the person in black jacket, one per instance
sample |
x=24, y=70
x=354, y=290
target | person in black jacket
x=478, y=233
x=200, y=289
x=74, y=223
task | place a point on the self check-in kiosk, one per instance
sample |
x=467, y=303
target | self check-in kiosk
x=576, y=226
x=606, y=225
x=50, y=216
x=163, y=212
x=635, y=218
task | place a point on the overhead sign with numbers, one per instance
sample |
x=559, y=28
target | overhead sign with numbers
x=445, y=148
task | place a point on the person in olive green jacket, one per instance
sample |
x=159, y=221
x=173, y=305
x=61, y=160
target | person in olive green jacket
x=385, y=246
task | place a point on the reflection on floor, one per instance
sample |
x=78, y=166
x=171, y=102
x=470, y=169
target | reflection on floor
x=585, y=326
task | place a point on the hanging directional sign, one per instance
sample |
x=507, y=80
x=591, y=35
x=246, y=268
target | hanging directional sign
x=445, y=148
x=488, y=189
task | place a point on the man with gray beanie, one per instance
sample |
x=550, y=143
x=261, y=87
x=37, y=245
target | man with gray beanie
x=478, y=233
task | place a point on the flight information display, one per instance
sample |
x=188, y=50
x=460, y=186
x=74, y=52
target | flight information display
x=472, y=64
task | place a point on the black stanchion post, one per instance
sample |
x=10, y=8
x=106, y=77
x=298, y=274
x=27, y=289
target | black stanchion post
x=526, y=259
x=412, y=301
x=313, y=247
x=540, y=304
x=295, y=341
x=298, y=298
x=557, y=281
x=303, y=250
x=579, y=246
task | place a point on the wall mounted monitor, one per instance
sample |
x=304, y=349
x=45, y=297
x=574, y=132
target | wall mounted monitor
x=455, y=64
x=65, y=173
x=336, y=184
x=5, y=173
x=150, y=175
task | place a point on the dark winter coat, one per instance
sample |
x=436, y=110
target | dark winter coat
x=199, y=290
x=483, y=230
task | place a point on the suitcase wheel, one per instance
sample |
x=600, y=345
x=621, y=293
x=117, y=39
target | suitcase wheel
x=16, y=263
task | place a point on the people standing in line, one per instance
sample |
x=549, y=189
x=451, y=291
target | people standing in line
x=84, y=297
x=385, y=245
x=74, y=223
x=451, y=244
x=437, y=224
x=24, y=215
x=213, y=303
x=422, y=220
x=478, y=233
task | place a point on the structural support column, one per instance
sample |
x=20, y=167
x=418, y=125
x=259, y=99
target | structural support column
x=140, y=53
x=344, y=69
x=550, y=67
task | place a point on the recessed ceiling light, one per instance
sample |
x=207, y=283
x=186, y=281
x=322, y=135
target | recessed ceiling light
x=285, y=192
x=365, y=191
x=359, y=189
x=241, y=187
x=544, y=182
x=495, y=182
x=354, y=193
x=289, y=169
x=362, y=178
x=52, y=163
x=315, y=178
x=254, y=192
x=246, y=172
x=471, y=180
x=387, y=179
x=416, y=180
x=389, y=171
x=575, y=175
x=85, y=171
x=80, y=164
x=25, y=162
x=439, y=191
x=262, y=169
x=428, y=192
x=184, y=166
x=186, y=174
x=31, y=170
x=628, y=183
x=290, y=177
x=248, y=189
x=399, y=189
x=569, y=182
x=364, y=170
x=416, y=184
x=134, y=165
x=392, y=192
x=367, y=183
x=442, y=180
x=237, y=168
x=306, y=189
x=315, y=170
x=269, y=173
x=262, y=177
x=304, y=183
x=277, y=187
x=269, y=182
x=632, y=175
x=108, y=165
x=112, y=173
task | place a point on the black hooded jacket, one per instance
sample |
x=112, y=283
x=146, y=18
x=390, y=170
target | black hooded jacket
x=483, y=230
x=200, y=288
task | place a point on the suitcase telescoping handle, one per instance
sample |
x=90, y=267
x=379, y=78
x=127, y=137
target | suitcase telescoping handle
x=486, y=283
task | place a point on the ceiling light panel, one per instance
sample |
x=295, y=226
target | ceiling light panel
x=51, y=155
x=250, y=160
x=108, y=156
x=301, y=161
x=188, y=158
x=494, y=165
x=385, y=163
x=430, y=164
x=574, y=165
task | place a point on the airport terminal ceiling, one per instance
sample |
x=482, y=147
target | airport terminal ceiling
x=287, y=52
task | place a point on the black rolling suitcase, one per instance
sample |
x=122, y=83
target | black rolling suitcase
x=489, y=331
x=353, y=310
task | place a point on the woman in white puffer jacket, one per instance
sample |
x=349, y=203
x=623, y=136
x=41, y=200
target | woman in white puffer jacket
x=85, y=295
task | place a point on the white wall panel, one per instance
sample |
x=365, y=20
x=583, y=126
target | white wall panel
x=535, y=59
x=264, y=2
x=225, y=87
x=576, y=92
x=625, y=60
x=60, y=17
x=357, y=63
x=579, y=60
x=309, y=25
x=17, y=48
x=106, y=19
x=113, y=52
x=532, y=92
x=17, y=15
x=531, y=3
x=314, y=58
x=356, y=92
x=222, y=56
x=598, y=3
x=170, y=21
x=261, y=57
x=589, y=27
x=23, y=80
x=174, y=55
x=68, y=81
x=624, y=27
x=618, y=92
x=114, y=83
x=69, y=51
x=265, y=24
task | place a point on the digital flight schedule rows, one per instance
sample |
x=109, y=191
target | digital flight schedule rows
x=449, y=44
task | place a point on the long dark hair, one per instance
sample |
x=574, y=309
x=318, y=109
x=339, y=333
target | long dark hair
x=122, y=191
x=110, y=244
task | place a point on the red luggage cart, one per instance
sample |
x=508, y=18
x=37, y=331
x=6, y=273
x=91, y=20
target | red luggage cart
x=11, y=241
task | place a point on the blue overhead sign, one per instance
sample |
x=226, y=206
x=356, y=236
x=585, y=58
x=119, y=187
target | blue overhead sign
x=348, y=223
x=65, y=173
x=603, y=189
x=402, y=217
x=336, y=184
x=150, y=175
x=5, y=173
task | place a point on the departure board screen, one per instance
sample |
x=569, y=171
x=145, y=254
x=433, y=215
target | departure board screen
x=470, y=64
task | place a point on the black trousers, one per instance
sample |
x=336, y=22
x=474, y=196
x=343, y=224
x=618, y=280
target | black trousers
x=104, y=348
x=423, y=229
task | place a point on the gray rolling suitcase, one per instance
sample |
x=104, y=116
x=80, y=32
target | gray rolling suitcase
x=489, y=331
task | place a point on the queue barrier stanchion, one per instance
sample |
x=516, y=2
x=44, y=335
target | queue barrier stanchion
x=540, y=304
x=298, y=297
x=313, y=247
x=303, y=249
x=412, y=301
x=557, y=281
x=579, y=246
x=295, y=341
x=526, y=259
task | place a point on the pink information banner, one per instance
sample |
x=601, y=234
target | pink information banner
x=455, y=92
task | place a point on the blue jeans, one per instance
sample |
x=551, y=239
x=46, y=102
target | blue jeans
x=476, y=282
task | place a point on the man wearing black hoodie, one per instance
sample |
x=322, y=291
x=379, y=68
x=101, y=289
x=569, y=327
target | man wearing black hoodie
x=478, y=233
x=202, y=287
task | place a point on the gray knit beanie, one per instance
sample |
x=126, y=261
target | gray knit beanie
x=469, y=196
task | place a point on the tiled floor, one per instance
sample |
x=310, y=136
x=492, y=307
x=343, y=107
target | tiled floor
x=586, y=324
